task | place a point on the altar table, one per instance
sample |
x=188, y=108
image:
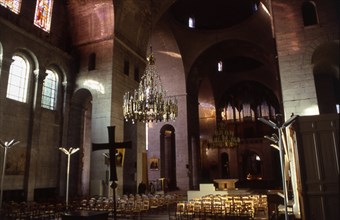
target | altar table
x=225, y=184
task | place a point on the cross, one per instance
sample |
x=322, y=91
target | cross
x=112, y=146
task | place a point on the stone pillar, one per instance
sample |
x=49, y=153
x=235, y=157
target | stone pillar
x=33, y=134
x=4, y=70
x=193, y=170
x=6, y=64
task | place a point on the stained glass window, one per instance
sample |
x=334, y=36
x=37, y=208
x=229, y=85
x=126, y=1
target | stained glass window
x=43, y=14
x=13, y=5
x=50, y=91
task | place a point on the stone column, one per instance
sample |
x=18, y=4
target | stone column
x=33, y=134
x=4, y=71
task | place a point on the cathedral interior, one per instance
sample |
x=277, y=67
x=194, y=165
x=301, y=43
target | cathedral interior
x=242, y=69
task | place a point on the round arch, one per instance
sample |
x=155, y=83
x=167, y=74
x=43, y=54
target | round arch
x=79, y=135
x=252, y=165
x=30, y=56
x=326, y=76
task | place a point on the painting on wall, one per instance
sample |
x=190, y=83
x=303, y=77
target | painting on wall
x=15, y=161
x=154, y=163
x=120, y=157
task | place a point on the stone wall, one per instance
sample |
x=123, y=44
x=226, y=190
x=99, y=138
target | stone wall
x=295, y=45
x=40, y=131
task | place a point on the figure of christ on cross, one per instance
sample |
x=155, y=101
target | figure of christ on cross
x=112, y=146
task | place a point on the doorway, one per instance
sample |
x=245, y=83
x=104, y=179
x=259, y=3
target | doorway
x=79, y=134
x=168, y=156
x=224, y=166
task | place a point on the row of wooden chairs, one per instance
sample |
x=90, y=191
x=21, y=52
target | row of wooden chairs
x=135, y=205
x=126, y=205
x=222, y=205
x=32, y=210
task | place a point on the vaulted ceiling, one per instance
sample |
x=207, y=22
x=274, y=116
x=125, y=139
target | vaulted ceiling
x=238, y=33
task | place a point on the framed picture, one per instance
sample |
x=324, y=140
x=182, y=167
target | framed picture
x=15, y=164
x=154, y=163
x=120, y=157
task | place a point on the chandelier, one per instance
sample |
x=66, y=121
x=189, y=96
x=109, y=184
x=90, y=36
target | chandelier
x=224, y=138
x=149, y=102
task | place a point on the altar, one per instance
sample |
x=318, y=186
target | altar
x=209, y=189
x=225, y=184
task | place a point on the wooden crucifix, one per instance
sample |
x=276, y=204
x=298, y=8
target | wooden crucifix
x=112, y=146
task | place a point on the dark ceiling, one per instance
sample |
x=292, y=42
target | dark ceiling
x=213, y=14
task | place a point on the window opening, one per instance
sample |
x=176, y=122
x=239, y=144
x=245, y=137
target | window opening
x=50, y=91
x=255, y=8
x=309, y=13
x=264, y=110
x=247, y=112
x=272, y=112
x=228, y=113
x=220, y=66
x=92, y=62
x=13, y=5
x=191, y=22
x=43, y=14
x=18, y=79
x=126, y=67
x=237, y=115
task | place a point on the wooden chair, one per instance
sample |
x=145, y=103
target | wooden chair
x=247, y=206
x=198, y=208
x=207, y=206
x=236, y=208
x=138, y=206
x=217, y=207
x=146, y=204
x=153, y=203
x=228, y=205
x=260, y=205
x=189, y=209
x=180, y=210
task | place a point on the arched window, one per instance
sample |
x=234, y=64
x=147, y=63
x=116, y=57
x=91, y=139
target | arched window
x=50, y=91
x=220, y=66
x=18, y=79
x=309, y=13
x=191, y=22
x=13, y=5
x=230, y=113
x=43, y=14
x=264, y=109
x=247, y=114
